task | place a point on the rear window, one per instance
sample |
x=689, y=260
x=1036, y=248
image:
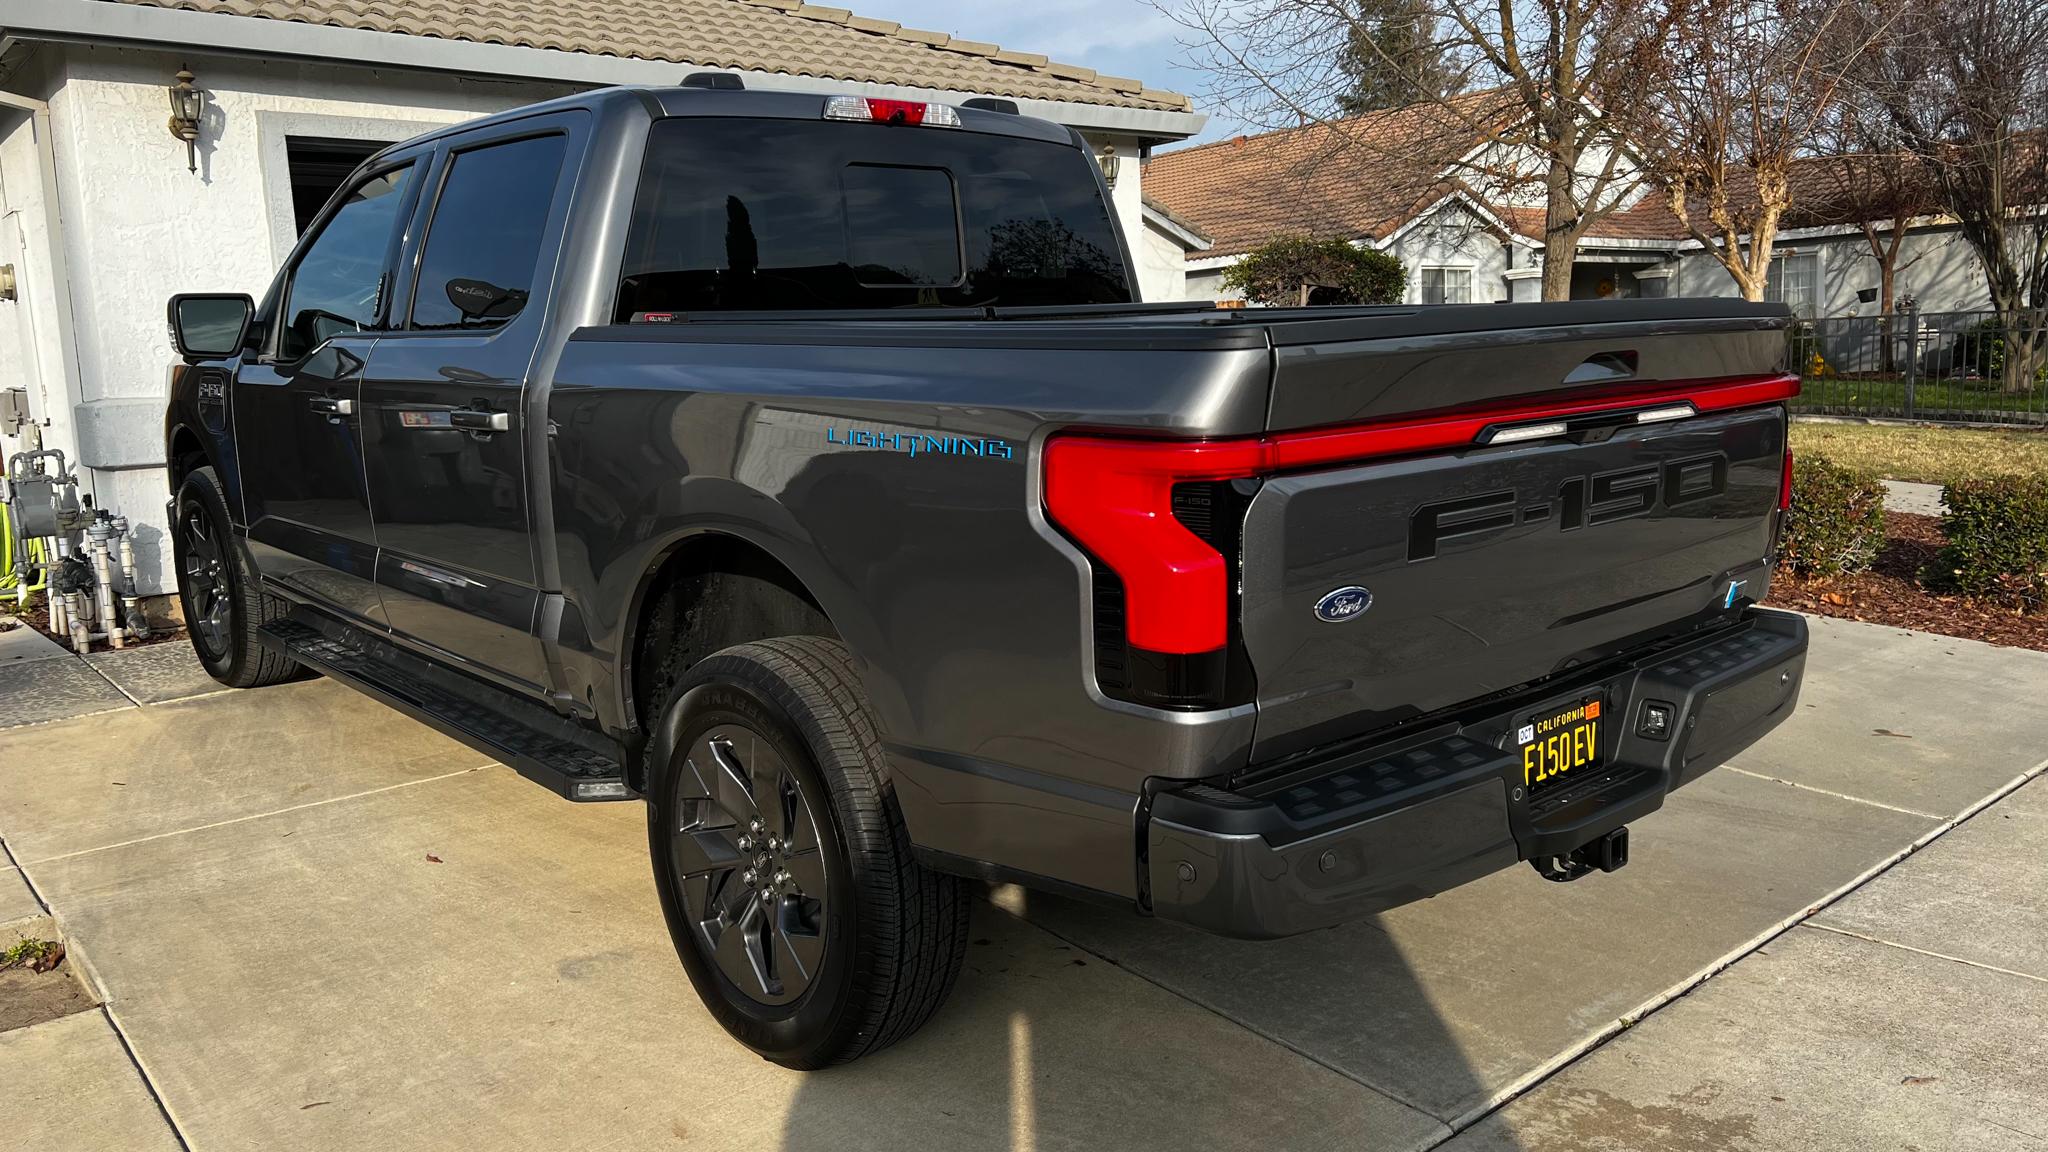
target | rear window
x=746, y=214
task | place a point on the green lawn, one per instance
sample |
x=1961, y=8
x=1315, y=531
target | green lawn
x=1919, y=452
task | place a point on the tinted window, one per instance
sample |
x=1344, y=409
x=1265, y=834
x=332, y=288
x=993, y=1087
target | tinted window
x=773, y=214
x=478, y=265
x=337, y=283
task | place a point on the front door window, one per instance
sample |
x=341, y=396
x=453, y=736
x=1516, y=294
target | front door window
x=339, y=283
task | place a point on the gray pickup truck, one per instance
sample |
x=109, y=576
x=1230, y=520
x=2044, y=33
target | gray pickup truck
x=808, y=468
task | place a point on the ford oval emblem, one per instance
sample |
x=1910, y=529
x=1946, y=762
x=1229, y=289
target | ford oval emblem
x=1343, y=604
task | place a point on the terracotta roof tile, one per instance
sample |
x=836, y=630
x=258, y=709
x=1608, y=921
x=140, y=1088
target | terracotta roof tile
x=1359, y=177
x=776, y=36
x=1364, y=177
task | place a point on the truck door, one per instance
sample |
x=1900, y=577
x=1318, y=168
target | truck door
x=296, y=409
x=444, y=431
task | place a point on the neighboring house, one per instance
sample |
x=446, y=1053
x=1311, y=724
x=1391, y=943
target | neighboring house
x=101, y=221
x=1393, y=181
x=1162, y=252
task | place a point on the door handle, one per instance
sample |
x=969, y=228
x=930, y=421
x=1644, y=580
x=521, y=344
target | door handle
x=332, y=407
x=475, y=420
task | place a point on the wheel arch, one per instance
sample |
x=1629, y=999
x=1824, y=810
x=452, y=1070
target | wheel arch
x=706, y=590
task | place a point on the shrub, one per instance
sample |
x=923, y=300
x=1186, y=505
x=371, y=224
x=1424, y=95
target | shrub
x=1274, y=272
x=1836, y=524
x=1997, y=547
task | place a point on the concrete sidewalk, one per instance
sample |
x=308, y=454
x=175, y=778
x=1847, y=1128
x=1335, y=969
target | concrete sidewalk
x=318, y=925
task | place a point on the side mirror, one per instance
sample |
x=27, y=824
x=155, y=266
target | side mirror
x=210, y=326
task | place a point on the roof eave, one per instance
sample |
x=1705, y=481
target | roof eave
x=98, y=22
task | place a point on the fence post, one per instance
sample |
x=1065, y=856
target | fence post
x=1912, y=354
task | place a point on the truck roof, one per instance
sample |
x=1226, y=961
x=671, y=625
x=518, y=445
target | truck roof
x=677, y=100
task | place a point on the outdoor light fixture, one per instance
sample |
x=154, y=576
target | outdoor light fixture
x=1106, y=158
x=187, y=103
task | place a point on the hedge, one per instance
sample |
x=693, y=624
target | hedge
x=1836, y=524
x=1997, y=549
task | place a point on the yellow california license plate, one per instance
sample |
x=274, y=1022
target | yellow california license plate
x=1555, y=744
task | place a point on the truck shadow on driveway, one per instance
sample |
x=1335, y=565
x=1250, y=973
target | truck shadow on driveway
x=1045, y=1044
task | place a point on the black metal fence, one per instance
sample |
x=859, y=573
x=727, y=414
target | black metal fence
x=1944, y=366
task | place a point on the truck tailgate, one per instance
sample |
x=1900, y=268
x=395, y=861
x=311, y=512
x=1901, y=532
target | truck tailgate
x=1492, y=567
x=1486, y=562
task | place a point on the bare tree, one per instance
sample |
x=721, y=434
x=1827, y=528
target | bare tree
x=1965, y=85
x=1539, y=89
x=1864, y=174
x=1741, y=89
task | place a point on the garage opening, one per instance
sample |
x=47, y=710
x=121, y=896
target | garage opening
x=318, y=166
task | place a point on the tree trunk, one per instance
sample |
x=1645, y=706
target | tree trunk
x=1560, y=218
x=1557, y=267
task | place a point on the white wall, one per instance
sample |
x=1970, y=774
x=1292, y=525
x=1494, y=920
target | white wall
x=139, y=227
x=1937, y=266
x=1453, y=238
x=1162, y=264
x=1128, y=199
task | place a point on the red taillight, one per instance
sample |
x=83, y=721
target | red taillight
x=1115, y=497
x=1785, y=481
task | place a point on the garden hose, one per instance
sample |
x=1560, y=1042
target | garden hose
x=29, y=556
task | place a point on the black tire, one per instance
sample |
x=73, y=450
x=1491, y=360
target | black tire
x=223, y=603
x=886, y=938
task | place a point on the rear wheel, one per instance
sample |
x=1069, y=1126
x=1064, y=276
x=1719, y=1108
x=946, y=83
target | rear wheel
x=222, y=602
x=782, y=862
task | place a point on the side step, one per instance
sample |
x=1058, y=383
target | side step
x=540, y=745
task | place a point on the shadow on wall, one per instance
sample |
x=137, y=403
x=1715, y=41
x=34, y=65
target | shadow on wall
x=1045, y=1045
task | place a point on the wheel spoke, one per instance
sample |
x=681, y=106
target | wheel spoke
x=739, y=954
x=726, y=777
x=701, y=850
x=799, y=943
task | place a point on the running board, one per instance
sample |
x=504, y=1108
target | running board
x=540, y=745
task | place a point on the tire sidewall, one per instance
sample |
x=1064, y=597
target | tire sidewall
x=201, y=492
x=721, y=692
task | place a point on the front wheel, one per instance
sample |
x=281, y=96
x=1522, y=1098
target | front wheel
x=782, y=862
x=223, y=604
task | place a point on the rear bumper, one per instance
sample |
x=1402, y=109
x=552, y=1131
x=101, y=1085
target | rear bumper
x=1356, y=829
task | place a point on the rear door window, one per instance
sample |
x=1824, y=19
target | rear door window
x=788, y=214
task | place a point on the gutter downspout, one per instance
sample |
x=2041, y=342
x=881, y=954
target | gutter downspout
x=53, y=239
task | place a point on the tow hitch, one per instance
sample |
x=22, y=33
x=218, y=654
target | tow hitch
x=1607, y=853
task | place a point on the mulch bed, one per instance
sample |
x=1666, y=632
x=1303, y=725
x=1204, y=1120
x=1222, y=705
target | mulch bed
x=1890, y=593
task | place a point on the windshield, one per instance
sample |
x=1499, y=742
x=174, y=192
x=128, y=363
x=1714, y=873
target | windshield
x=761, y=214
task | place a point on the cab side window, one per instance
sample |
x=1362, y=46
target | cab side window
x=477, y=268
x=338, y=284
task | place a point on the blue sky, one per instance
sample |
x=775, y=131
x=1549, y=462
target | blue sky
x=1120, y=37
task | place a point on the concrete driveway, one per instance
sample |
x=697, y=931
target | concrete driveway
x=317, y=925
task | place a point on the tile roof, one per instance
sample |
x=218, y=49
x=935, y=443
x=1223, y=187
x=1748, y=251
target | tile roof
x=1358, y=177
x=1364, y=177
x=777, y=36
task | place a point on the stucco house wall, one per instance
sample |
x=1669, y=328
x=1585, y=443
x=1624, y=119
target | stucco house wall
x=138, y=227
x=1936, y=266
x=1455, y=239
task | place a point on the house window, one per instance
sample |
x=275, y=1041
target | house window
x=1446, y=285
x=318, y=168
x=1795, y=280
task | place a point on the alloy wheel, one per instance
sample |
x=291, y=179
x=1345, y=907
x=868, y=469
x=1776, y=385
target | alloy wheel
x=750, y=865
x=208, y=608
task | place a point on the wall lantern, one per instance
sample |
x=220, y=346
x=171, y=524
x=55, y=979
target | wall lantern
x=187, y=103
x=1106, y=158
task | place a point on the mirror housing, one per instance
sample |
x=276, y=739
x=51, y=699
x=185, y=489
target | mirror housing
x=210, y=325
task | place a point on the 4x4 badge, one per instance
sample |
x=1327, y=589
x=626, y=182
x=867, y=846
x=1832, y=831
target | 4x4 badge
x=1348, y=603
